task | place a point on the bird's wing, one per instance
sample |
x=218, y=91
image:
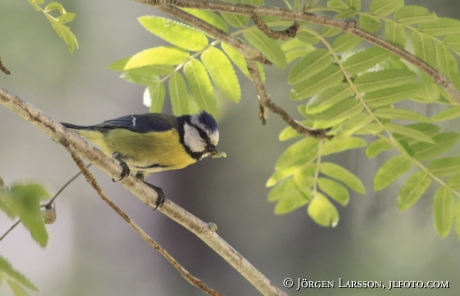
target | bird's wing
x=142, y=123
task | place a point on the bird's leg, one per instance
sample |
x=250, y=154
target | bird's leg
x=161, y=196
x=125, y=169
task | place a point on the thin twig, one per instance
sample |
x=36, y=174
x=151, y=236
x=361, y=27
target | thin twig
x=267, y=102
x=3, y=68
x=277, y=35
x=185, y=274
x=9, y=230
x=347, y=25
x=201, y=229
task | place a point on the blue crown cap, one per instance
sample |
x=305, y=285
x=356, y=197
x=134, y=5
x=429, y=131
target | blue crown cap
x=207, y=120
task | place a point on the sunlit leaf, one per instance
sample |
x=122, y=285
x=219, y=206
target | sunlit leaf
x=401, y=114
x=443, y=26
x=395, y=33
x=154, y=97
x=178, y=95
x=281, y=174
x=377, y=147
x=348, y=178
x=157, y=56
x=391, y=170
x=389, y=96
x=209, y=17
x=342, y=111
x=337, y=145
x=334, y=190
x=369, y=23
x=447, y=166
x=147, y=74
x=443, y=207
x=443, y=142
x=424, y=47
x=409, y=132
x=328, y=98
x=413, y=189
x=322, y=211
x=176, y=33
x=221, y=71
x=413, y=14
x=299, y=153
x=346, y=42
x=200, y=86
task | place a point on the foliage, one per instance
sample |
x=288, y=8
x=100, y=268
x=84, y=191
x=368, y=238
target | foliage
x=23, y=201
x=352, y=88
x=58, y=23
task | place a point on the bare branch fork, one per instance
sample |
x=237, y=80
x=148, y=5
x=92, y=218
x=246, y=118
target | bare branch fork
x=344, y=25
x=201, y=229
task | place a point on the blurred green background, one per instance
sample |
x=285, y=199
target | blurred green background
x=91, y=251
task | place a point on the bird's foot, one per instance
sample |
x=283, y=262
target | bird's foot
x=161, y=196
x=125, y=169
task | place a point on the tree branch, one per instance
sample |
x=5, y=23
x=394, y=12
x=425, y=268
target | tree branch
x=185, y=274
x=201, y=229
x=267, y=102
x=347, y=25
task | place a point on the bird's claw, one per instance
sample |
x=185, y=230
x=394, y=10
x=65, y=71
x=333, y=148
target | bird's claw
x=125, y=168
x=161, y=196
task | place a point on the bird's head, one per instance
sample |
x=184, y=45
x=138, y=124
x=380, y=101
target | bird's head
x=201, y=134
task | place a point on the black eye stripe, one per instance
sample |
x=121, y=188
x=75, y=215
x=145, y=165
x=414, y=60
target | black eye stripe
x=203, y=135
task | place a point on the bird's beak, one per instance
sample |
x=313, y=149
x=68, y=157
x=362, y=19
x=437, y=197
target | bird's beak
x=212, y=149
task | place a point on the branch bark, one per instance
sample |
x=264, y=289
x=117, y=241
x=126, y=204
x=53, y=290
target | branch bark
x=201, y=229
x=346, y=25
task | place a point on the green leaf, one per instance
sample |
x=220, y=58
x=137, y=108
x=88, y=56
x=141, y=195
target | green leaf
x=447, y=166
x=288, y=133
x=299, y=153
x=429, y=93
x=443, y=142
x=323, y=80
x=457, y=218
x=409, y=132
x=154, y=97
x=369, y=23
x=307, y=37
x=280, y=175
x=424, y=47
x=63, y=32
x=147, y=74
x=311, y=64
x=66, y=18
x=401, y=114
x=354, y=4
x=354, y=124
x=443, y=207
x=322, y=211
x=447, y=114
x=119, y=65
x=27, y=199
x=222, y=73
x=304, y=178
x=267, y=46
x=200, y=86
x=330, y=32
x=289, y=197
x=365, y=59
x=337, y=145
x=413, y=14
x=346, y=42
x=339, y=113
x=377, y=147
x=453, y=41
x=157, y=56
x=447, y=64
x=335, y=190
x=337, y=4
x=443, y=26
x=235, y=20
x=239, y=60
x=389, y=96
x=7, y=269
x=385, y=7
x=176, y=33
x=454, y=183
x=55, y=6
x=179, y=95
x=373, y=81
x=391, y=170
x=328, y=98
x=413, y=189
x=395, y=33
x=339, y=173
x=209, y=17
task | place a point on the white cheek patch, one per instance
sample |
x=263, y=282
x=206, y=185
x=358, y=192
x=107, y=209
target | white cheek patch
x=193, y=139
x=214, y=137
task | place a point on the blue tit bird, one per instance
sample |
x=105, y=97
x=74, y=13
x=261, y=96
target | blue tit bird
x=154, y=142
